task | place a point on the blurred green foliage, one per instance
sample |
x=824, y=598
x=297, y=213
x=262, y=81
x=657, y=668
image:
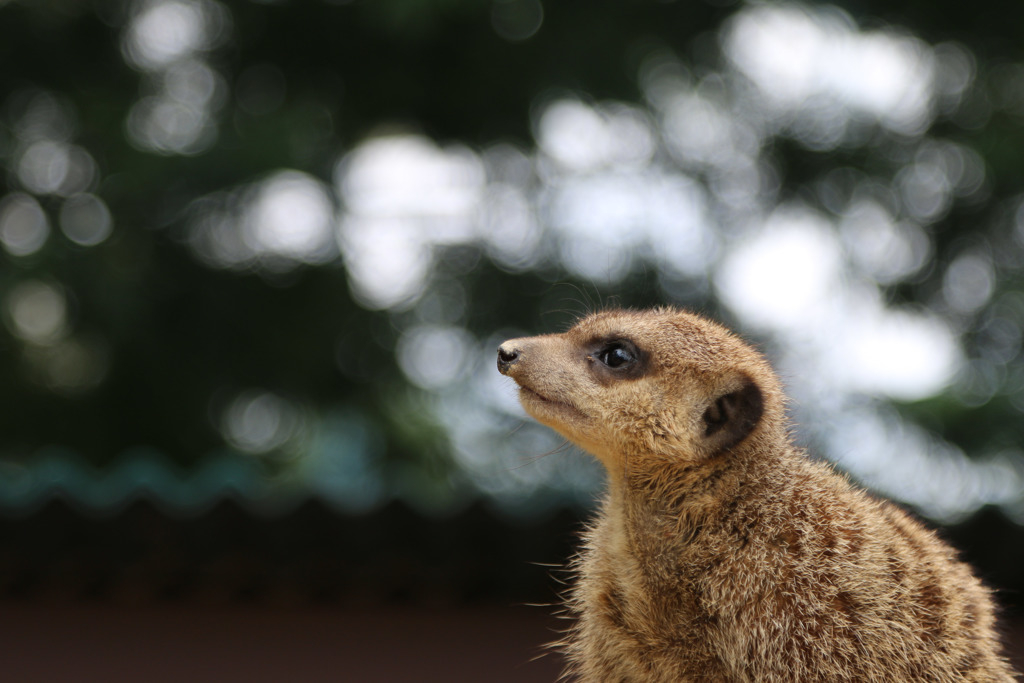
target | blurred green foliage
x=297, y=85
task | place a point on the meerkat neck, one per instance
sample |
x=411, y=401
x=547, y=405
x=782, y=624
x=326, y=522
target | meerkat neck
x=661, y=504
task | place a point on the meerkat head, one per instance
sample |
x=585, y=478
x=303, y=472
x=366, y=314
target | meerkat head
x=664, y=383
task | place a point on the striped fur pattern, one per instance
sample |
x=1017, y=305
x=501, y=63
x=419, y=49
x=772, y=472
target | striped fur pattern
x=721, y=552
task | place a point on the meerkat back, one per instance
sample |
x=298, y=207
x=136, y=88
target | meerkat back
x=721, y=552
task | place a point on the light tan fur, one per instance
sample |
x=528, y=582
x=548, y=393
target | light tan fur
x=721, y=552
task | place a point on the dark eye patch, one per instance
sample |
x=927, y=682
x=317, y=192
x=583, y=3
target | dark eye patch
x=617, y=358
x=617, y=355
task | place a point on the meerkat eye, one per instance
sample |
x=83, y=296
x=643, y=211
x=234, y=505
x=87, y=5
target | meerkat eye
x=617, y=355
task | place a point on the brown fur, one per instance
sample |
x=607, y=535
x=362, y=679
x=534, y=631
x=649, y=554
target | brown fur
x=721, y=552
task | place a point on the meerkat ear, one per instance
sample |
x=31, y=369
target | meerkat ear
x=732, y=416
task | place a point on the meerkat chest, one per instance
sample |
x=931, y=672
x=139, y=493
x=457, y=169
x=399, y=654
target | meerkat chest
x=639, y=620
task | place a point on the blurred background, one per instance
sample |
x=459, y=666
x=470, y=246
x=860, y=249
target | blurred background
x=256, y=258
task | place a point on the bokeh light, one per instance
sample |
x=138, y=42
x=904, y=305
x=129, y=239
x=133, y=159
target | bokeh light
x=815, y=63
x=433, y=357
x=403, y=195
x=787, y=274
x=38, y=115
x=85, y=219
x=581, y=138
x=167, y=40
x=70, y=366
x=516, y=20
x=37, y=312
x=278, y=223
x=51, y=167
x=24, y=226
x=969, y=282
x=164, y=31
x=260, y=422
x=879, y=247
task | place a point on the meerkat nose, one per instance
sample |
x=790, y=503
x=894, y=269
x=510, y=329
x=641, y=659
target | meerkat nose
x=506, y=358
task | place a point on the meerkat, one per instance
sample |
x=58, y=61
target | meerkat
x=721, y=552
